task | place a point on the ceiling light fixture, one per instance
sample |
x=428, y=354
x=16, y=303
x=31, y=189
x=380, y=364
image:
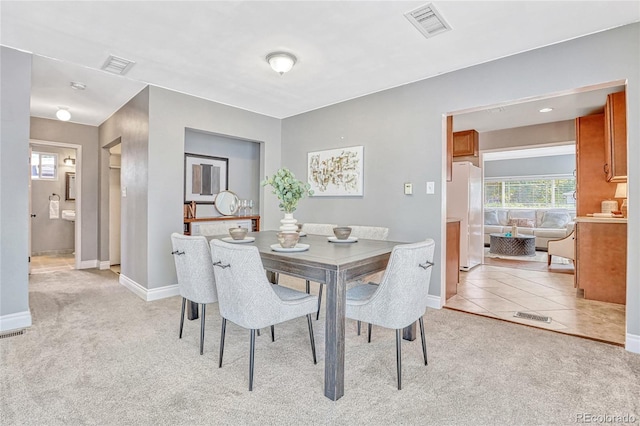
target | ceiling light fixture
x=63, y=114
x=281, y=62
x=546, y=109
x=69, y=161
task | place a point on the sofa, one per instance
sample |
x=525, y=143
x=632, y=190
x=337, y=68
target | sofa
x=544, y=224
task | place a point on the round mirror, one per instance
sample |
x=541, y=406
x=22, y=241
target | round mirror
x=226, y=203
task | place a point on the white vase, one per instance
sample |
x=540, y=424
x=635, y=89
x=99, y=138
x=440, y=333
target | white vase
x=288, y=223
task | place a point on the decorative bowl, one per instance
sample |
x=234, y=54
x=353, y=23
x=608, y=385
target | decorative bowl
x=288, y=239
x=342, y=232
x=238, y=233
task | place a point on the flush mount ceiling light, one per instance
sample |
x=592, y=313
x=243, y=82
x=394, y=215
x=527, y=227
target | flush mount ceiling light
x=63, y=114
x=546, y=109
x=281, y=62
x=78, y=86
x=69, y=161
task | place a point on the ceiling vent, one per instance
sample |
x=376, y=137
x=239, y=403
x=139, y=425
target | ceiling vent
x=117, y=65
x=428, y=20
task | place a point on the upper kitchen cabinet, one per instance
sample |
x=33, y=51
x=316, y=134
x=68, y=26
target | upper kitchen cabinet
x=465, y=143
x=615, y=112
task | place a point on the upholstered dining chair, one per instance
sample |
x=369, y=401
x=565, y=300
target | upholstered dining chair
x=196, y=280
x=401, y=297
x=369, y=232
x=215, y=228
x=247, y=299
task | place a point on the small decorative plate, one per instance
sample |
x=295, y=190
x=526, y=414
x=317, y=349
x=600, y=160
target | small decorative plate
x=298, y=247
x=347, y=240
x=245, y=240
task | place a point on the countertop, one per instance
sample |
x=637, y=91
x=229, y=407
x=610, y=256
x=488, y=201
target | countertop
x=592, y=219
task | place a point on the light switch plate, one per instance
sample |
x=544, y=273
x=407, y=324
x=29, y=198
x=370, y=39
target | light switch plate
x=408, y=189
x=431, y=187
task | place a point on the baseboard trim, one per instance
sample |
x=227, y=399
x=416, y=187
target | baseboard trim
x=633, y=343
x=149, y=294
x=15, y=321
x=434, y=302
x=88, y=264
x=105, y=264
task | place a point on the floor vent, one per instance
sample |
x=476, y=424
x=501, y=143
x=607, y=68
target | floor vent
x=533, y=317
x=428, y=20
x=11, y=334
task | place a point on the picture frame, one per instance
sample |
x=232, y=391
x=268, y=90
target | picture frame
x=204, y=177
x=336, y=172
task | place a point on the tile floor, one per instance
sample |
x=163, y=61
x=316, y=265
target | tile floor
x=53, y=262
x=498, y=291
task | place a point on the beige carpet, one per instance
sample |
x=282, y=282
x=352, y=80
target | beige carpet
x=99, y=355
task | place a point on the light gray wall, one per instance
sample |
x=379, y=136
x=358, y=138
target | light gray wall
x=130, y=126
x=51, y=235
x=15, y=86
x=402, y=133
x=550, y=133
x=536, y=166
x=170, y=114
x=244, y=164
x=86, y=136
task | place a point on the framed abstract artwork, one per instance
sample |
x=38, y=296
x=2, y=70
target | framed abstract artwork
x=204, y=177
x=336, y=172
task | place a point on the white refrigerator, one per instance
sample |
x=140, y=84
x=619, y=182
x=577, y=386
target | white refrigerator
x=464, y=202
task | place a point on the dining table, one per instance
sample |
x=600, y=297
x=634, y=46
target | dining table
x=334, y=263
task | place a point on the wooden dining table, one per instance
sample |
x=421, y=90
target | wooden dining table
x=333, y=264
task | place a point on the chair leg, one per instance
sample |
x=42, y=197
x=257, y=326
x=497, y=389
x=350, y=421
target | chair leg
x=184, y=303
x=313, y=341
x=319, y=301
x=224, y=327
x=369, y=333
x=548, y=259
x=399, y=357
x=424, y=342
x=252, y=349
x=273, y=335
x=202, y=329
x=258, y=332
x=307, y=287
x=359, y=327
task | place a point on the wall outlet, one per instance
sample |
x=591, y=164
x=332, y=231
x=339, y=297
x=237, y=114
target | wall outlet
x=431, y=187
x=408, y=189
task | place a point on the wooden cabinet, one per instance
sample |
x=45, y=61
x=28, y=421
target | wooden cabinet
x=591, y=184
x=615, y=112
x=251, y=222
x=465, y=143
x=453, y=257
x=601, y=259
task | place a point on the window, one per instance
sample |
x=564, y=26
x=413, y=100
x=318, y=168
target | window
x=530, y=193
x=44, y=165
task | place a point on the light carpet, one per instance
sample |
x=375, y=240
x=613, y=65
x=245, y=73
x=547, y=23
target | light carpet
x=98, y=355
x=540, y=256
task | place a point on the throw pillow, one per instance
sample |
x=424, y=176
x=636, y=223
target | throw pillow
x=555, y=220
x=491, y=217
x=523, y=223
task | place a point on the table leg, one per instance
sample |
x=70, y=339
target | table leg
x=409, y=333
x=192, y=310
x=335, y=300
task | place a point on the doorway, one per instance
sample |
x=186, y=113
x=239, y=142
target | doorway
x=499, y=291
x=115, y=161
x=55, y=206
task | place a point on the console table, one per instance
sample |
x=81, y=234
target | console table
x=520, y=245
x=255, y=222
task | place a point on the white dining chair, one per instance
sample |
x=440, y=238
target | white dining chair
x=247, y=299
x=369, y=232
x=214, y=228
x=401, y=297
x=196, y=280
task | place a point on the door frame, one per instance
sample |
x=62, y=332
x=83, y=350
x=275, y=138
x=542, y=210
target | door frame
x=78, y=222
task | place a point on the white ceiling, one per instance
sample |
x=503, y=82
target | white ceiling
x=216, y=50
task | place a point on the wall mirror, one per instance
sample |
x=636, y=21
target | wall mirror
x=226, y=203
x=70, y=186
